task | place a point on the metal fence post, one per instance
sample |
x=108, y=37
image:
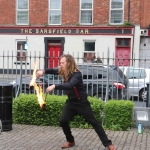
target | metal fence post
x=21, y=72
x=148, y=96
x=106, y=96
x=0, y=126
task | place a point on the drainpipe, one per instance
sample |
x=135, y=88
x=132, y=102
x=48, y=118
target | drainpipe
x=128, y=10
x=133, y=43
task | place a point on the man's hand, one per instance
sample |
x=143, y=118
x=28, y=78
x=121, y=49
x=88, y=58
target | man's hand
x=112, y=147
x=50, y=88
x=39, y=73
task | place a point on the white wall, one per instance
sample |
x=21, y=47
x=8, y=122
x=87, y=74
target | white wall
x=74, y=44
x=104, y=45
x=145, y=52
x=136, y=45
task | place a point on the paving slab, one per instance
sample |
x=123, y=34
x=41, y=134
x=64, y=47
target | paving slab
x=32, y=137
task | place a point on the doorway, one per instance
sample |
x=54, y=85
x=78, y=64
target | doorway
x=123, y=49
x=54, y=48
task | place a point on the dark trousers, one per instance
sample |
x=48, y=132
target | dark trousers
x=70, y=110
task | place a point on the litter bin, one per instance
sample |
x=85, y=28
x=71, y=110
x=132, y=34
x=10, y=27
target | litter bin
x=6, y=106
x=148, y=96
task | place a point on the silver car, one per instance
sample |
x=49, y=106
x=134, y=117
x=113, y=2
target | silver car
x=138, y=77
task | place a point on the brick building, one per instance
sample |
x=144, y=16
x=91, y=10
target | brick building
x=83, y=27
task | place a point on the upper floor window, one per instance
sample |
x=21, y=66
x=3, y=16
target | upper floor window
x=86, y=12
x=22, y=17
x=116, y=11
x=55, y=12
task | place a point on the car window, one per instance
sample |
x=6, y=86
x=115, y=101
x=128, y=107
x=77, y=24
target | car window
x=143, y=73
x=51, y=77
x=100, y=74
x=136, y=73
x=86, y=73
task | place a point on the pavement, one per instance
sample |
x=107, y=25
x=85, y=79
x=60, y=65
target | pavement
x=32, y=137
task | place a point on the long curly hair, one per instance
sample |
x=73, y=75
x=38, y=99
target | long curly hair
x=71, y=67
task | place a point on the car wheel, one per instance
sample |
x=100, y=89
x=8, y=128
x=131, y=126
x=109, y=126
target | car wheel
x=143, y=94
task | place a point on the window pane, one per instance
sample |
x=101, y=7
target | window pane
x=86, y=4
x=143, y=74
x=133, y=73
x=48, y=77
x=21, y=46
x=86, y=16
x=116, y=4
x=100, y=74
x=19, y=56
x=55, y=16
x=54, y=4
x=89, y=46
x=88, y=57
x=116, y=16
x=22, y=4
x=123, y=42
x=22, y=17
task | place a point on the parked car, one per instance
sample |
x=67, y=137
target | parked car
x=105, y=82
x=138, y=77
x=44, y=81
x=101, y=81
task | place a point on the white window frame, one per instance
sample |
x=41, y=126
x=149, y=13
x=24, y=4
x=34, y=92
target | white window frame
x=21, y=10
x=86, y=10
x=116, y=9
x=23, y=50
x=91, y=52
x=55, y=9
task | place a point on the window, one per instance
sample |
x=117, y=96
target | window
x=22, y=12
x=116, y=11
x=123, y=42
x=87, y=73
x=86, y=11
x=100, y=73
x=55, y=12
x=48, y=77
x=21, y=47
x=89, y=51
x=136, y=73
